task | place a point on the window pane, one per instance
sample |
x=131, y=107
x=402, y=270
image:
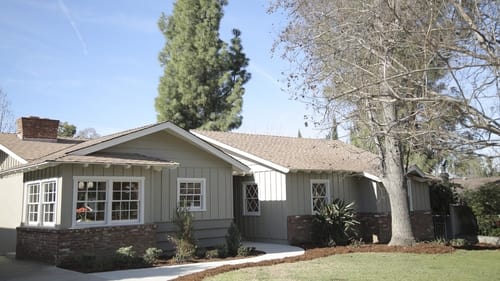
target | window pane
x=251, y=198
x=191, y=193
x=125, y=198
x=91, y=201
x=319, y=195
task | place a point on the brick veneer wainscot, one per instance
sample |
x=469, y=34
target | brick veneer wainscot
x=54, y=245
x=300, y=229
x=380, y=225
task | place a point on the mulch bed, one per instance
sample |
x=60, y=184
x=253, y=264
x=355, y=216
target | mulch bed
x=313, y=253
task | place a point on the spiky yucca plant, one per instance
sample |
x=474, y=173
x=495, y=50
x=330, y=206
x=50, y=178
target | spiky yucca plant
x=337, y=222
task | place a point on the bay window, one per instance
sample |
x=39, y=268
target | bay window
x=108, y=200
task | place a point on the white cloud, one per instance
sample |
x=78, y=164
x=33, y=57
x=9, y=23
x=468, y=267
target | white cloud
x=67, y=14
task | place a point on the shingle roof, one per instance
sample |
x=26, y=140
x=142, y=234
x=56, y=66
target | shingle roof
x=30, y=150
x=300, y=153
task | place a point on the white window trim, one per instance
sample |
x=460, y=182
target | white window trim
x=325, y=181
x=109, y=191
x=203, y=183
x=41, y=192
x=245, y=209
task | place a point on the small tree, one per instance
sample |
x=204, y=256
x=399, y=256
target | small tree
x=87, y=133
x=66, y=130
x=183, y=240
x=233, y=240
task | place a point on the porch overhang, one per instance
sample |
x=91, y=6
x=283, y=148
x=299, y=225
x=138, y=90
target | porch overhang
x=126, y=160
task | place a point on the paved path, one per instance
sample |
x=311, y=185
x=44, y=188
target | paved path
x=273, y=251
x=23, y=270
x=20, y=270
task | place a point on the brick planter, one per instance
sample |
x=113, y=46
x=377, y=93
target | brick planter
x=55, y=245
x=300, y=229
x=380, y=225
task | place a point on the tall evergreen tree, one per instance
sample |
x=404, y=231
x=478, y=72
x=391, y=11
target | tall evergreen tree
x=202, y=84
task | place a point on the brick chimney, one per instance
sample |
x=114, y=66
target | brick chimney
x=36, y=128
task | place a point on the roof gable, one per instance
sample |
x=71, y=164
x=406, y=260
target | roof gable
x=78, y=151
x=116, y=139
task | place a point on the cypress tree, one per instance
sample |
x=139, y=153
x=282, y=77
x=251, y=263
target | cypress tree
x=202, y=84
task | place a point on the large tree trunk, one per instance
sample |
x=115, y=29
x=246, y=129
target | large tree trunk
x=400, y=216
x=393, y=180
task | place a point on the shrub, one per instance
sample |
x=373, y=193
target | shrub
x=212, y=254
x=485, y=204
x=233, y=240
x=183, y=240
x=442, y=195
x=222, y=251
x=151, y=256
x=87, y=263
x=244, y=251
x=440, y=241
x=458, y=242
x=355, y=243
x=126, y=256
x=184, y=250
x=336, y=222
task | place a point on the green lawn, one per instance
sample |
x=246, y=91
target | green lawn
x=460, y=265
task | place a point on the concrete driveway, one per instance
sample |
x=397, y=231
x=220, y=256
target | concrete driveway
x=17, y=270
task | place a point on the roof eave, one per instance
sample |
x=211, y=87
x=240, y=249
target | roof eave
x=351, y=173
x=48, y=164
x=13, y=155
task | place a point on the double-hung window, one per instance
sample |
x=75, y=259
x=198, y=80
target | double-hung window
x=320, y=194
x=41, y=202
x=251, y=203
x=191, y=193
x=108, y=200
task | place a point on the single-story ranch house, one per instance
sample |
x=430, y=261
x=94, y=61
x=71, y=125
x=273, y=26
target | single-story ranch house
x=62, y=196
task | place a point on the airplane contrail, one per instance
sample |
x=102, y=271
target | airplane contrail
x=66, y=13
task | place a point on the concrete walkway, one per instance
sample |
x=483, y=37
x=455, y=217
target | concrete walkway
x=17, y=270
x=273, y=251
x=12, y=269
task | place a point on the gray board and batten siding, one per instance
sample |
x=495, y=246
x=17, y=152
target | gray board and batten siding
x=282, y=195
x=160, y=187
x=7, y=161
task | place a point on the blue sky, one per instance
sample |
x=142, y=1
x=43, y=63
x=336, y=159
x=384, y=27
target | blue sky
x=94, y=63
